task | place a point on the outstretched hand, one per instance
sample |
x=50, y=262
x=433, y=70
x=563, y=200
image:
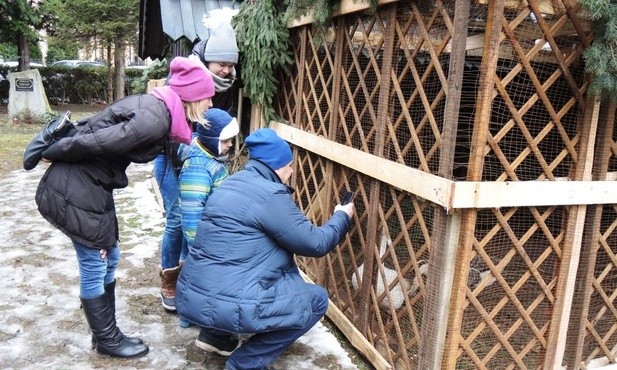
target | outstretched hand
x=349, y=208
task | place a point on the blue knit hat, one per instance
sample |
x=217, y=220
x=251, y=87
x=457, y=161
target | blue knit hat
x=221, y=126
x=266, y=146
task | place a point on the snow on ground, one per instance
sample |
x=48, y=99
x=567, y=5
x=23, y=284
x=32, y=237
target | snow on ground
x=41, y=323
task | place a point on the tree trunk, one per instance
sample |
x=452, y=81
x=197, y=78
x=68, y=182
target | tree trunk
x=110, y=79
x=119, y=70
x=23, y=52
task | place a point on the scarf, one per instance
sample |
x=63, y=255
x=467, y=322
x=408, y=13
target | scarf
x=223, y=84
x=179, y=130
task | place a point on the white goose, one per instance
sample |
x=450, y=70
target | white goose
x=398, y=291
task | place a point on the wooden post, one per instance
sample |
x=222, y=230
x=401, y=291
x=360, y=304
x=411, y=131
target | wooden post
x=476, y=160
x=154, y=83
x=570, y=251
x=257, y=119
x=383, y=118
x=444, y=239
x=589, y=249
x=334, y=127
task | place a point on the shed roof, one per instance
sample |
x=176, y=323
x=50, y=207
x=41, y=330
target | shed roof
x=164, y=21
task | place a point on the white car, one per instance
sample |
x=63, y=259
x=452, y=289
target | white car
x=14, y=63
x=75, y=63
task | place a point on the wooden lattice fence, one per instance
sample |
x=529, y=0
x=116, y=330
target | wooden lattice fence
x=484, y=172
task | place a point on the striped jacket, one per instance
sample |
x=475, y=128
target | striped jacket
x=201, y=173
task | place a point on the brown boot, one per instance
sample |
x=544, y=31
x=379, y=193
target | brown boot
x=168, y=287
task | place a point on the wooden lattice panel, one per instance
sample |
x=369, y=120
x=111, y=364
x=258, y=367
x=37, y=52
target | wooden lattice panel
x=391, y=302
x=381, y=83
x=534, y=132
x=601, y=339
x=538, y=96
x=510, y=286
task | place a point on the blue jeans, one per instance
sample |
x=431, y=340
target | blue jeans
x=173, y=245
x=264, y=348
x=95, y=272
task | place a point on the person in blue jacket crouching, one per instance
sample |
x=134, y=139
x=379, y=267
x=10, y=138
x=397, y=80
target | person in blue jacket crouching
x=240, y=276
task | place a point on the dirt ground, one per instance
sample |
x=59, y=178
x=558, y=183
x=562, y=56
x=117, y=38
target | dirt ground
x=15, y=135
x=142, y=310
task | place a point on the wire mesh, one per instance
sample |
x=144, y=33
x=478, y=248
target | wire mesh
x=380, y=83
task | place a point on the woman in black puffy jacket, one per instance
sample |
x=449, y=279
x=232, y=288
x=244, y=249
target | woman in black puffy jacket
x=76, y=192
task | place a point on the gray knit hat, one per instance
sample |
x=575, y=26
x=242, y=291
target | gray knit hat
x=221, y=45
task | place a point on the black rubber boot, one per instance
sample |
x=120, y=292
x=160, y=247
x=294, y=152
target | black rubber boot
x=109, y=339
x=110, y=292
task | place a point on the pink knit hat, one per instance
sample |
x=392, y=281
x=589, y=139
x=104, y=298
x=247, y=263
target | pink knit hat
x=190, y=80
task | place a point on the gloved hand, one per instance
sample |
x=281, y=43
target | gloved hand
x=349, y=208
x=51, y=151
x=44, y=139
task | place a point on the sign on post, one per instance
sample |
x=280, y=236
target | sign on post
x=24, y=84
x=27, y=95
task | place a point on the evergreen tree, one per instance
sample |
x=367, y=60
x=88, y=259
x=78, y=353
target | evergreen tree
x=106, y=24
x=19, y=22
x=601, y=57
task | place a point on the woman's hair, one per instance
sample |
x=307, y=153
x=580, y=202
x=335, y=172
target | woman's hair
x=193, y=114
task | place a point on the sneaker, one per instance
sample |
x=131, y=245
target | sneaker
x=223, y=345
x=185, y=323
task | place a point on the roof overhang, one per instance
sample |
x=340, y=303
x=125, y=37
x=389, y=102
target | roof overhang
x=162, y=22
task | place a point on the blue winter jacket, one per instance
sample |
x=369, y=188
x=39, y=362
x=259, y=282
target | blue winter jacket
x=200, y=175
x=240, y=275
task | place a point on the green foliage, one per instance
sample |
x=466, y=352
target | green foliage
x=84, y=85
x=8, y=51
x=60, y=49
x=601, y=57
x=157, y=70
x=28, y=117
x=94, y=24
x=19, y=17
x=263, y=41
x=85, y=19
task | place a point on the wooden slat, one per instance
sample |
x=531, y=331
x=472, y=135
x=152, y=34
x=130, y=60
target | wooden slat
x=425, y=185
x=546, y=6
x=479, y=137
x=577, y=331
x=446, y=228
x=154, y=83
x=556, y=344
x=450, y=194
x=357, y=340
x=476, y=194
x=345, y=7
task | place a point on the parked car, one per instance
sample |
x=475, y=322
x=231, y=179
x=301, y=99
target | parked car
x=14, y=63
x=75, y=63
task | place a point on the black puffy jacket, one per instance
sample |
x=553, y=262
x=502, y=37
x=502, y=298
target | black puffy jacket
x=76, y=192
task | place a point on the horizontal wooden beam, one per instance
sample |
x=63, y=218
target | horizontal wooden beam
x=346, y=7
x=546, y=6
x=352, y=6
x=426, y=185
x=454, y=194
x=498, y=194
